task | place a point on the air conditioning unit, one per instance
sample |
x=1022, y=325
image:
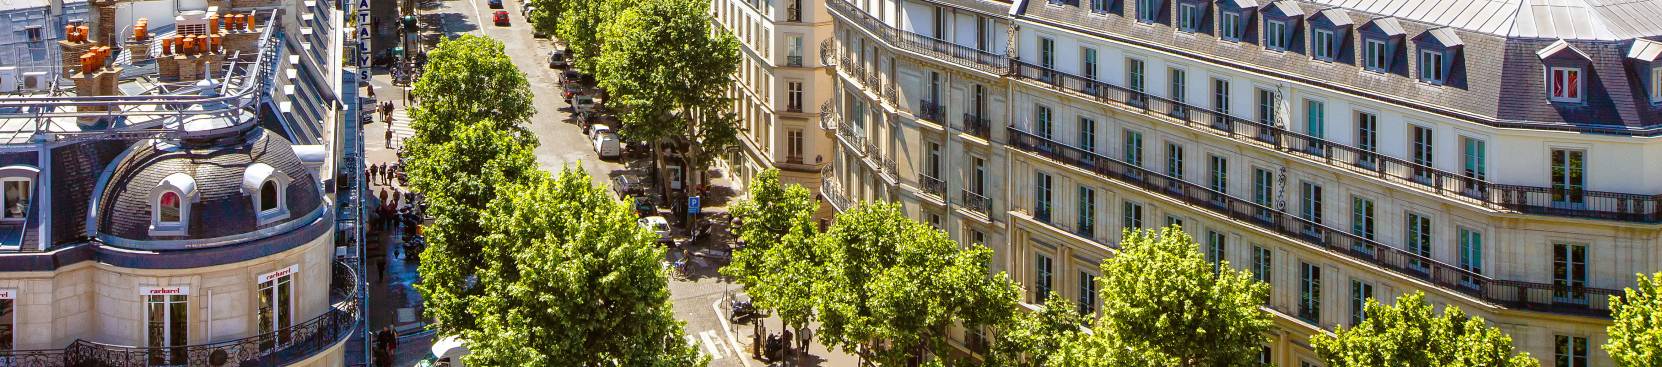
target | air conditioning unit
x=36, y=81
x=8, y=79
x=191, y=22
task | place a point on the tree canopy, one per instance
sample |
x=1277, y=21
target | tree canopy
x=1163, y=304
x=1410, y=333
x=571, y=280
x=1636, y=324
x=667, y=72
x=777, y=261
x=889, y=287
x=1033, y=339
x=467, y=80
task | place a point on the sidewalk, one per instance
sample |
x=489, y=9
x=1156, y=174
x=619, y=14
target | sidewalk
x=391, y=272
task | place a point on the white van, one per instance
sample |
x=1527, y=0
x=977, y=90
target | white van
x=607, y=145
x=582, y=103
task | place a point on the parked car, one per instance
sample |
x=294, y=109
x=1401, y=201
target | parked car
x=582, y=104
x=597, y=129
x=526, y=10
x=556, y=59
x=656, y=224
x=606, y=144
x=626, y=186
x=495, y=4
x=500, y=18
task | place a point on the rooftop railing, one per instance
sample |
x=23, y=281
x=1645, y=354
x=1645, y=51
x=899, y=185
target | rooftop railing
x=165, y=113
x=1459, y=187
x=1515, y=294
x=277, y=348
x=903, y=39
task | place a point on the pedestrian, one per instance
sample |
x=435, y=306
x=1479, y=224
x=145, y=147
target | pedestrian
x=785, y=339
x=805, y=338
x=392, y=342
x=389, y=136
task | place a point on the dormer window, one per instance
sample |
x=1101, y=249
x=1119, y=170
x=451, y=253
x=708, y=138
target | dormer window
x=1656, y=84
x=167, y=209
x=1148, y=11
x=1376, y=54
x=1188, y=17
x=16, y=195
x=1323, y=45
x=1564, y=84
x=170, y=205
x=1276, y=35
x=1229, y=26
x=265, y=186
x=1432, y=67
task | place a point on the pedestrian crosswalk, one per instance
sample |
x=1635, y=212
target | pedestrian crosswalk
x=400, y=128
x=710, y=342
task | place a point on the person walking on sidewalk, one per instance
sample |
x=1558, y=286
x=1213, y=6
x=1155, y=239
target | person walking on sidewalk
x=805, y=338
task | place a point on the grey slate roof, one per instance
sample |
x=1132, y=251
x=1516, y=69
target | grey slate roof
x=1550, y=19
x=221, y=209
x=1494, y=80
x=75, y=171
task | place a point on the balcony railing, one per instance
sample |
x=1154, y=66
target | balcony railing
x=978, y=203
x=903, y=39
x=1515, y=294
x=1527, y=199
x=932, y=185
x=833, y=193
x=979, y=126
x=793, y=107
x=828, y=115
x=278, y=348
x=931, y=111
x=793, y=13
x=854, y=138
x=793, y=61
x=828, y=52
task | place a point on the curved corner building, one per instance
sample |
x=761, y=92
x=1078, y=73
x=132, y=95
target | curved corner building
x=1499, y=156
x=168, y=195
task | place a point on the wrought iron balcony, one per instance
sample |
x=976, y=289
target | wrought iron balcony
x=833, y=193
x=930, y=111
x=932, y=185
x=978, y=203
x=278, y=348
x=793, y=107
x=793, y=61
x=921, y=44
x=1526, y=199
x=1515, y=294
x=979, y=126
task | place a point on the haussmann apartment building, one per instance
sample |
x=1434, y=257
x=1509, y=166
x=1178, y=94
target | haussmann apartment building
x=1499, y=156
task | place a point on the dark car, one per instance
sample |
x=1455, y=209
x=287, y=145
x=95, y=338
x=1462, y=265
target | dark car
x=495, y=4
x=626, y=186
x=500, y=18
x=556, y=59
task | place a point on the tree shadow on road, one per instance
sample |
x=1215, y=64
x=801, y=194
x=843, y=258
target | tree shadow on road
x=457, y=23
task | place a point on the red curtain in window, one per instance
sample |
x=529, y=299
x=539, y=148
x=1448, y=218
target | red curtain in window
x=1570, y=86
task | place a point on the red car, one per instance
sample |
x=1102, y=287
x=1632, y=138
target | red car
x=501, y=18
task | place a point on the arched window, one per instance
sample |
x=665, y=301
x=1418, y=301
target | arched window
x=168, y=208
x=268, y=196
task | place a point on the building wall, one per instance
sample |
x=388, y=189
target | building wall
x=1515, y=247
x=102, y=303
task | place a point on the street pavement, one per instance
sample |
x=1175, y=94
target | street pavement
x=697, y=294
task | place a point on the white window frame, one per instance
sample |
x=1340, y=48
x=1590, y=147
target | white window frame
x=1375, y=55
x=282, y=313
x=1188, y=17
x=167, y=343
x=1148, y=10
x=1275, y=35
x=1321, y=44
x=28, y=196
x=1579, y=91
x=1100, y=6
x=1656, y=84
x=1431, y=67
x=1229, y=26
x=255, y=178
x=179, y=184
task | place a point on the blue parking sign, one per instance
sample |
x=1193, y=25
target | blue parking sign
x=692, y=205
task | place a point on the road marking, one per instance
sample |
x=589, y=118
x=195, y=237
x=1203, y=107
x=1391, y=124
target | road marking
x=728, y=328
x=479, y=21
x=710, y=344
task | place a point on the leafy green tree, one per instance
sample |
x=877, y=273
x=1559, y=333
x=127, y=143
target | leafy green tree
x=667, y=72
x=545, y=15
x=1636, y=326
x=467, y=80
x=1164, y=305
x=1034, y=338
x=889, y=288
x=570, y=280
x=458, y=178
x=580, y=24
x=1410, y=333
x=777, y=262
